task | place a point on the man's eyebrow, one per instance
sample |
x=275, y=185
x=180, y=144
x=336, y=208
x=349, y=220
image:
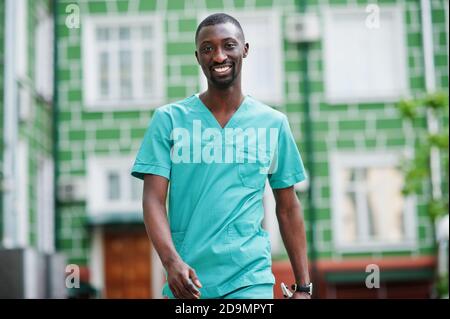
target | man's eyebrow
x=223, y=40
x=205, y=42
x=229, y=38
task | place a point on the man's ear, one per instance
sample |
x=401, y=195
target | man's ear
x=196, y=56
x=246, y=46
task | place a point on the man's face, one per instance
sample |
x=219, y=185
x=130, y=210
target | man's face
x=220, y=50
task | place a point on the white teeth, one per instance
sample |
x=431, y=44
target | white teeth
x=222, y=69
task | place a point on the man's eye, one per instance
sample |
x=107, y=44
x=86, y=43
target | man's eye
x=230, y=45
x=207, y=49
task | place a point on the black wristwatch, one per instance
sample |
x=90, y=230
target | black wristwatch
x=304, y=288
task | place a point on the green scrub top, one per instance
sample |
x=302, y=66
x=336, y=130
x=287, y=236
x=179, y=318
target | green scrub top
x=217, y=178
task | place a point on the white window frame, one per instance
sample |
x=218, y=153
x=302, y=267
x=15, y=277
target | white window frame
x=22, y=39
x=97, y=194
x=398, y=12
x=44, y=53
x=342, y=160
x=273, y=17
x=90, y=94
x=21, y=68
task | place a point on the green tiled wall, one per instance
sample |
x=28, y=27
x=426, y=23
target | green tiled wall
x=350, y=127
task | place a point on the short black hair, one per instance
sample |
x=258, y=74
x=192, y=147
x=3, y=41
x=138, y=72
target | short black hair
x=218, y=18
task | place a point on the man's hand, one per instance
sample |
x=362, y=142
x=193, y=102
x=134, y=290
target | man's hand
x=300, y=295
x=183, y=280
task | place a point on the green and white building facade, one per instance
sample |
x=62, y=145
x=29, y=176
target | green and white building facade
x=71, y=148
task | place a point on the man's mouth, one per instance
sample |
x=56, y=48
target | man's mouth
x=221, y=69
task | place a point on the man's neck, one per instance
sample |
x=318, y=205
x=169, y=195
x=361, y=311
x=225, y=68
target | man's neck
x=222, y=100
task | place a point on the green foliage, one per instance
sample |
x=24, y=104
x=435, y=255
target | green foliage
x=436, y=101
x=408, y=109
x=442, y=286
x=417, y=171
x=439, y=140
x=436, y=209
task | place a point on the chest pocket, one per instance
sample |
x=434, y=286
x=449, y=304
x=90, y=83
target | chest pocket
x=253, y=171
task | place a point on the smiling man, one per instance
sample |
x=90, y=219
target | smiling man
x=211, y=241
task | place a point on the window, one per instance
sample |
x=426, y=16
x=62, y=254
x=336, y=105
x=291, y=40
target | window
x=22, y=54
x=21, y=39
x=113, y=185
x=123, y=61
x=364, y=64
x=369, y=210
x=44, y=54
x=262, y=70
x=111, y=188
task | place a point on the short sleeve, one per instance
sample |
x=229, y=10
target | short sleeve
x=153, y=156
x=287, y=166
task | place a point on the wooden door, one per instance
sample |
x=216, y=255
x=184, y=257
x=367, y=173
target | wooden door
x=127, y=265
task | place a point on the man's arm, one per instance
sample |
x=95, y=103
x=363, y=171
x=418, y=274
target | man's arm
x=179, y=274
x=292, y=228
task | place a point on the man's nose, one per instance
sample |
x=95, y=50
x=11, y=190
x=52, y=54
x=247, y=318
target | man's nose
x=219, y=56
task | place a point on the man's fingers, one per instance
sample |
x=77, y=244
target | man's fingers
x=183, y=289
x=178, y=290
x=184, y=283
x=174, y=291
x=194, y=278
x=192, y=289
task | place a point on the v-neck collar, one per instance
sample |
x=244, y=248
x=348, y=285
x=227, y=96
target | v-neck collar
x=233, y=118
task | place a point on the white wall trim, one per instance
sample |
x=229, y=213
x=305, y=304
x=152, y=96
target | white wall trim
x=157, y=275
x=21, y=38
x=44, y=50
x=22, y=194
x=45, y=205
x=96, y=265
x=10, y=127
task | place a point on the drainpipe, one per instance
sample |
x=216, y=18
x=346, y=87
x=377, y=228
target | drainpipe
x=10, y=130
x=430, y=83
x=432, y=122
x=303, y=48
x=55, y=121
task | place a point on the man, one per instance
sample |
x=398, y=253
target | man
x=216, y=151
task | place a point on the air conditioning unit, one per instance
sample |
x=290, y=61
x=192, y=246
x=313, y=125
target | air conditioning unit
x=301, y=28
x=72, y=190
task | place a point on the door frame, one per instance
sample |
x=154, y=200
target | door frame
x=96, y=265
